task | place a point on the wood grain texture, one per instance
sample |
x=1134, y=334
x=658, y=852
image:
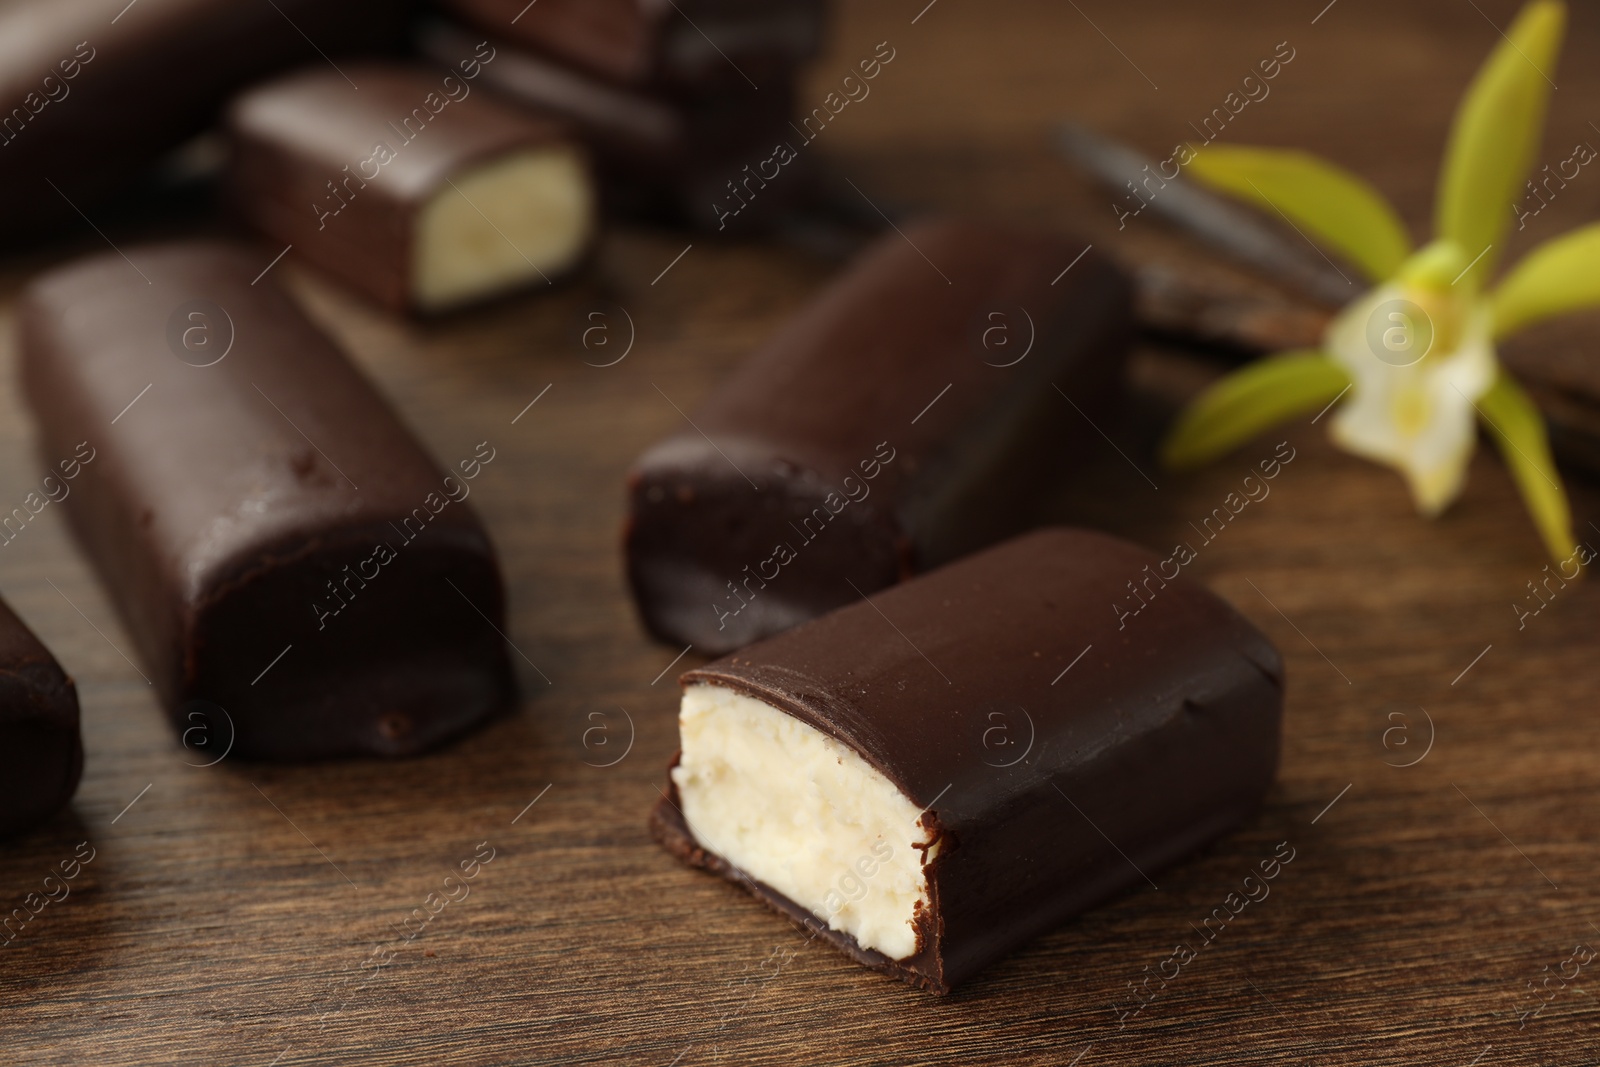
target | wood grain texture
x=247, y=914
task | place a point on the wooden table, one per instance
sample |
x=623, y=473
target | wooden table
x=250, y=914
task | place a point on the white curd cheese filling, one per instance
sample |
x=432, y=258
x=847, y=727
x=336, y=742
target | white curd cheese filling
x=502, y=224
x=803, y=813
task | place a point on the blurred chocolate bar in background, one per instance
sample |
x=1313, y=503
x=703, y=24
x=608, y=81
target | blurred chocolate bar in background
x=41, y=753
x=921, y=406
x=419, y=189
x=99, y=90
x=688, y=49
x=331, y=599
x=681, y=107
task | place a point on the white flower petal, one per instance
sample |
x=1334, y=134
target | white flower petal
x=1411, y=406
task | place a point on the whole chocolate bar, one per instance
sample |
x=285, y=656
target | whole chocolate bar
x=41, y=754
x=908, y=415
x=659, y=157
x=284, y=555
x=419, y=189
x=687, y=45
x=930, y=780
x=93, y=91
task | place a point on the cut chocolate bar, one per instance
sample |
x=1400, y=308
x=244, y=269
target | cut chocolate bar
x=41, y=754
x=930, y=780
x=907, y=416
x=686, y=46
x=278, y=544
x=419, y=189
x=97, y=89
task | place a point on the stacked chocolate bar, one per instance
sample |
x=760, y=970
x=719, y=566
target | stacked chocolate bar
x=907, y=768
x=676, y=99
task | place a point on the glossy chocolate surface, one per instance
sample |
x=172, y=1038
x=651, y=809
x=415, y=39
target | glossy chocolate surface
x=341, y=173
x=908, y=415
x=41, y=755
x=278, y=544
x=93, y=91
x=1051, y=782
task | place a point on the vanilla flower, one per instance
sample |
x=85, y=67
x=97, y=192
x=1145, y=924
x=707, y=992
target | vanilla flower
x=1411, y=364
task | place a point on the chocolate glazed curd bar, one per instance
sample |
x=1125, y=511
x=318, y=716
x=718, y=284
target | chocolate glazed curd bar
x=95, y=90
x=279, y=546
x=418, y=189
x=914, y=779
x=908, y=415
x=41, y=754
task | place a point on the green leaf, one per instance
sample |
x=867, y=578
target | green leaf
x=1559, y=276
x=1338, y=208
x=1496, y=135
x=1249, y=401
x=1518, y=428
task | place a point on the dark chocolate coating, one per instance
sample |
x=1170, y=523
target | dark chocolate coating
x=144, y=77
x=41, y=754
x=290, y=138
x=657, y=156
x=1165, y=734
x=850, y=382
x=221, y=503
x=690, y=47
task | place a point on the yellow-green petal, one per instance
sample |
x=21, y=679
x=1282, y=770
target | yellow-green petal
x=1434, y=268
x=1248, y=402
x=1332, y=205
x=1559, y=276
x=1496, y=135
x=1519, y=430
